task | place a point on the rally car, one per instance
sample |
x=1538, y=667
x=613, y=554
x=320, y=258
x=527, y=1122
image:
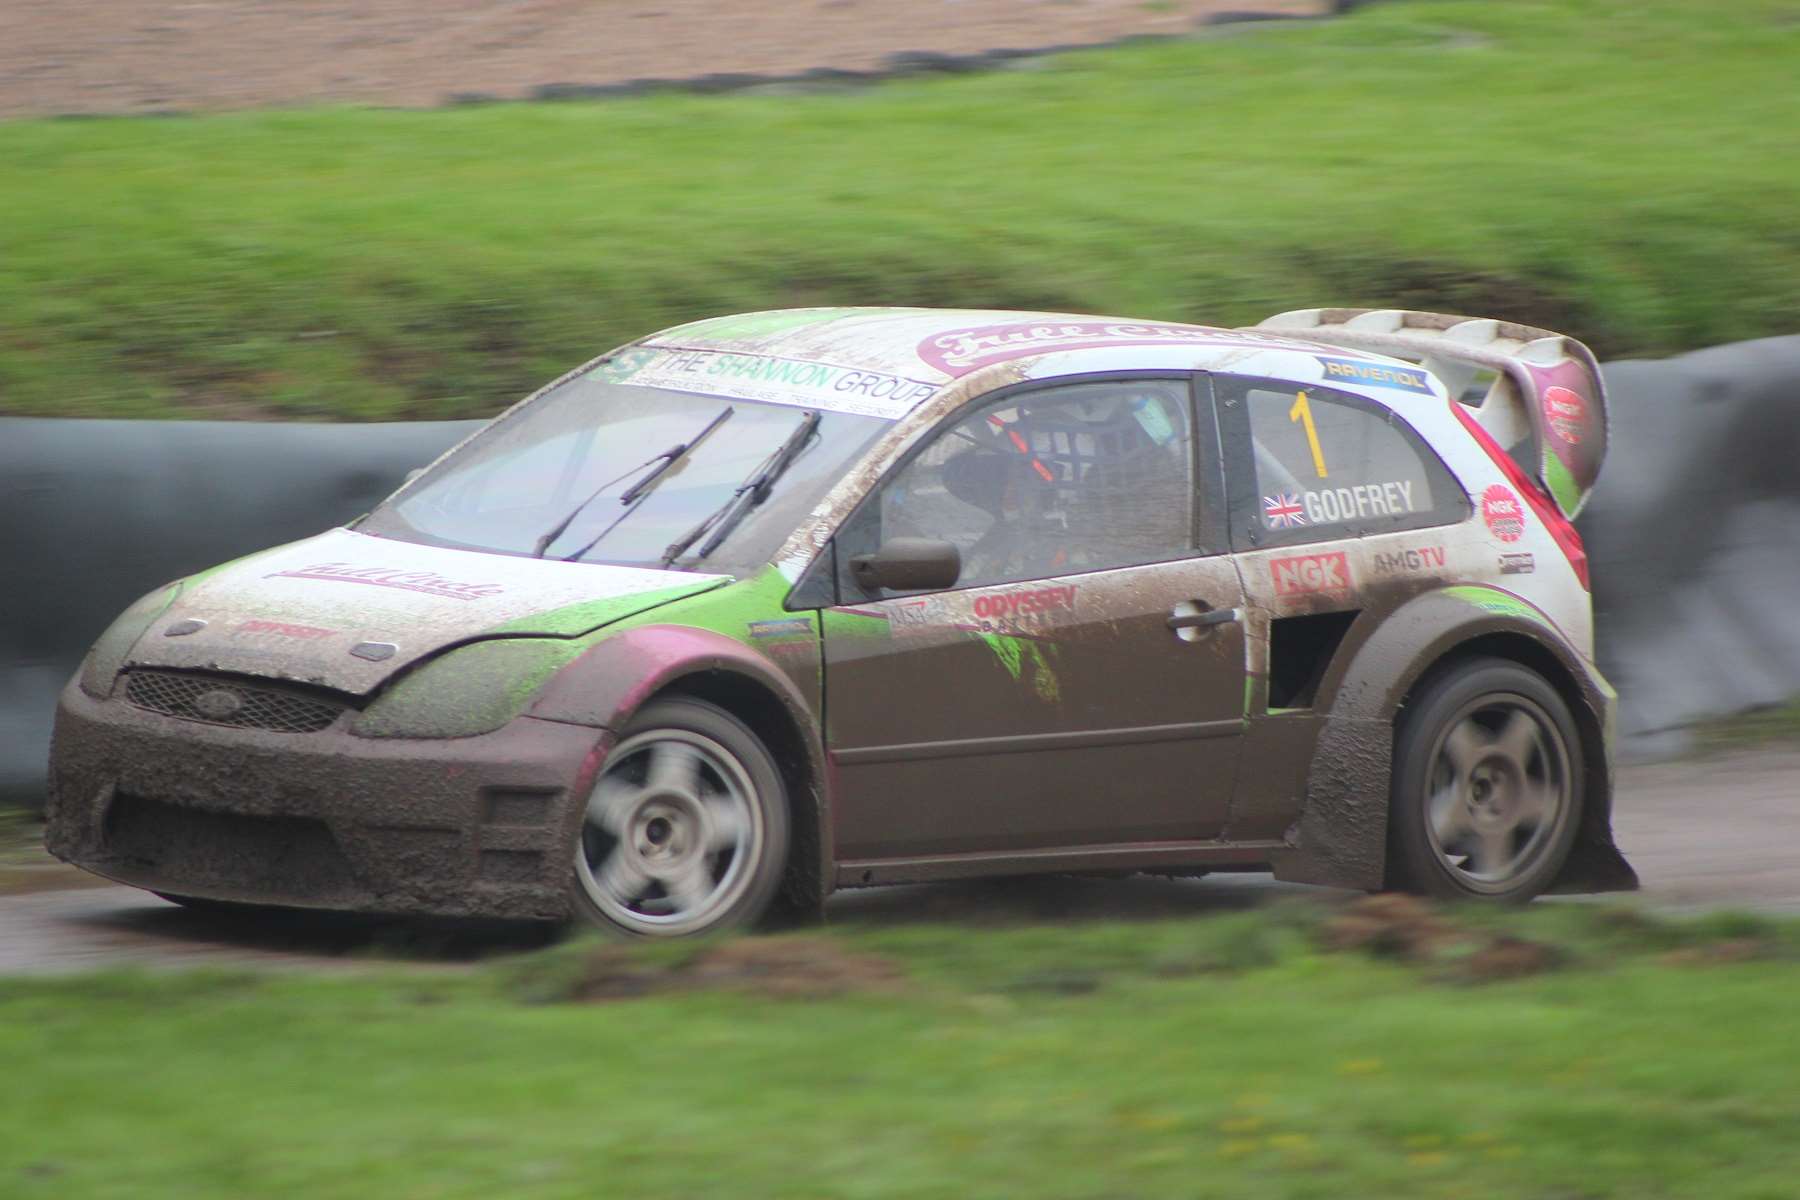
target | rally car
x=772, y=604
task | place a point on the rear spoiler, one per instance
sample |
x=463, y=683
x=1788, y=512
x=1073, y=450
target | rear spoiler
x=1543, y=400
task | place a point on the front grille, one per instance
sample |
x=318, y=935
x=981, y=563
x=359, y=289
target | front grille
x=222, y=700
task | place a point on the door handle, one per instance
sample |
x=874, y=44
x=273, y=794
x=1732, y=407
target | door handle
x=1205, y=620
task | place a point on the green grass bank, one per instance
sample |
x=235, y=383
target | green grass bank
x=1239, y=1057
x=1626, y=170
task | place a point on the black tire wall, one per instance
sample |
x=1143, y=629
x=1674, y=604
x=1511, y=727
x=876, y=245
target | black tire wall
x=1694, y=538
x=1693, y=532
x=93, y=514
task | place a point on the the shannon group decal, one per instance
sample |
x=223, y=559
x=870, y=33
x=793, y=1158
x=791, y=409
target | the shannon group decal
x=428, y=583
x=1370, y=374
x=770, y=379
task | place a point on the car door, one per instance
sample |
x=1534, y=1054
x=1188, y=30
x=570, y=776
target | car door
x=1045, y=701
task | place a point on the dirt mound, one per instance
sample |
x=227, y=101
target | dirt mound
x=133, y=56
x=785, y=968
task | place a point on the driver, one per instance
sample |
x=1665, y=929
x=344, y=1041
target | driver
x=1080, y=483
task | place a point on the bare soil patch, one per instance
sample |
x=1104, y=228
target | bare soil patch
x=137, y=56
x=780, y=968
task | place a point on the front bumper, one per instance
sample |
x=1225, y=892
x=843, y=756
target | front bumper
x=477, y=826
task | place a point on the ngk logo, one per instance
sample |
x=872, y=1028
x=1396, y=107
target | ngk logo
x=1311, y=575
x=1504, y=515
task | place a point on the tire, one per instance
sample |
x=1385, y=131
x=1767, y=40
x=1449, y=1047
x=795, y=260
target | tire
x=1487, y=785
x=686, y=830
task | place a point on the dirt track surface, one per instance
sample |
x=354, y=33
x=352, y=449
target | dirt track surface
x=1720, y=832
x=131, y=56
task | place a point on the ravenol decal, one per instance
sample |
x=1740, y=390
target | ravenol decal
x=1370, y=374
x=1300, y=575
x=283, y=629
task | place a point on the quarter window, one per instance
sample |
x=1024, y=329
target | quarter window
x=1326, y=465
x=1076, y=478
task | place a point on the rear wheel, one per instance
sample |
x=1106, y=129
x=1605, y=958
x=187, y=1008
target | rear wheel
x=686, y=830
x=1487, y=785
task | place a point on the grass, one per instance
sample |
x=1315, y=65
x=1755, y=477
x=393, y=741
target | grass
x=1620, y=169
x=1775, y=724
x=1229, y=1058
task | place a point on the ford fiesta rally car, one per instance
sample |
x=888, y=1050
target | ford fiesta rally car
x=791, y=601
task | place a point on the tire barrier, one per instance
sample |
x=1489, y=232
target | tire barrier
x=1694, y=538
x=96, y=513
x=1693, y=532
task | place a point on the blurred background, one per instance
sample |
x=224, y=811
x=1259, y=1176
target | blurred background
x=259, y=258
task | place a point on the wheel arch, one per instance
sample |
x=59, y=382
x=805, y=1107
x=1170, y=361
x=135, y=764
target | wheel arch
x=808, y=870
x=1594, y=863
x=615, y=678
x=1340, y=838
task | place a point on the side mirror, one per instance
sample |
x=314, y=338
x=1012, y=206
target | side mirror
x=908, y=565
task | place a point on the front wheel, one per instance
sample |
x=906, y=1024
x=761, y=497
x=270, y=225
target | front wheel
x=1487, y=785
x=686, y=830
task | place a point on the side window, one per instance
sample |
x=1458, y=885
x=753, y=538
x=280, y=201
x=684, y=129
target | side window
x=1074, y=478
x=1325, y=465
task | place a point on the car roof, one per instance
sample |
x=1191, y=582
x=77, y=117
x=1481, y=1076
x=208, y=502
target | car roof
x=936, y=346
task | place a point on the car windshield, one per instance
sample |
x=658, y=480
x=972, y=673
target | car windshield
x=580, y=449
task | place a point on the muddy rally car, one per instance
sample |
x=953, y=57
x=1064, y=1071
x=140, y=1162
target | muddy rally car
x=773, y=604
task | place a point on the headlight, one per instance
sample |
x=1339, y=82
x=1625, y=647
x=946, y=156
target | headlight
x=101, y=666
x=467, y=691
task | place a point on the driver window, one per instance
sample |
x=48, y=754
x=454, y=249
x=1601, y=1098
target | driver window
x=1069, y=479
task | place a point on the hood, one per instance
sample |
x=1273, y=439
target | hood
x=345, y=610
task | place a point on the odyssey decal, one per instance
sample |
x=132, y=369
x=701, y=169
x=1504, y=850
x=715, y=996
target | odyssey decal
x=1311, y=575
x=1396, y=561
x=1517, y=564
x=1369, y=374
x=789, y=381
x=1504, y=515
x=429, y=583
x=1036, y=602
x=960, y=351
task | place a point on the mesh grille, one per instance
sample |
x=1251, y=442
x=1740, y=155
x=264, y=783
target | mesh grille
x=218, y=700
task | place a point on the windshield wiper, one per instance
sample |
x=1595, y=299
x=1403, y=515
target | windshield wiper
x=668, y=458
x=748, y=494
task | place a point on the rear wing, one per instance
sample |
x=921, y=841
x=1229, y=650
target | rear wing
x=1538, y=393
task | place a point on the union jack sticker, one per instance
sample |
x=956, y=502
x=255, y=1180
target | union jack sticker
x=1283, y=511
